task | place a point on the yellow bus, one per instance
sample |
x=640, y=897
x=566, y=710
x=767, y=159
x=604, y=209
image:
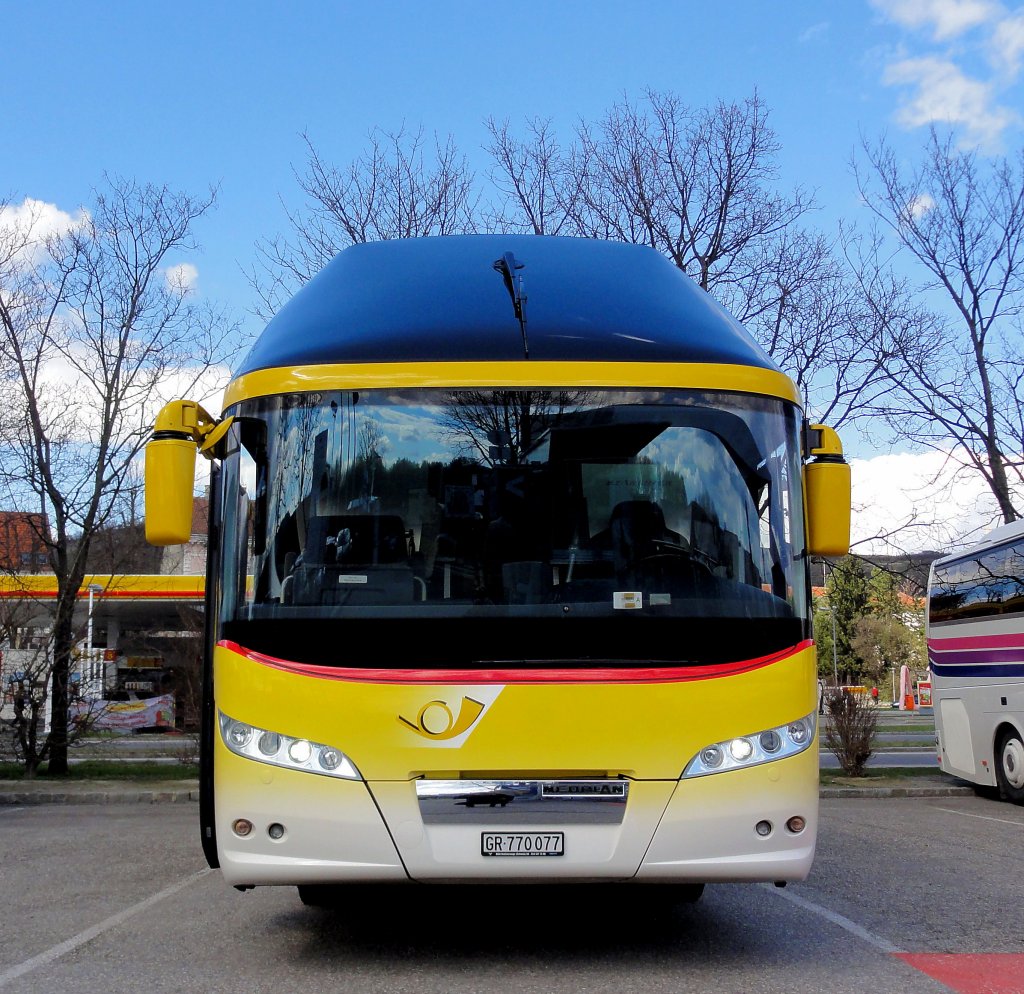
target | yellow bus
x=508, y=577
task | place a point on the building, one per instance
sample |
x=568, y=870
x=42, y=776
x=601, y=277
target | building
x=190, y=559
x=23, y=542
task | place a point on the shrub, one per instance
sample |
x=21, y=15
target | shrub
x=849, y=730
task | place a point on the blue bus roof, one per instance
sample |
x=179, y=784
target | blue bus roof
x=441, y=299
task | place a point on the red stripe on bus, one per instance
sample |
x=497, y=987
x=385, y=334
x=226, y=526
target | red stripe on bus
x=659, y=674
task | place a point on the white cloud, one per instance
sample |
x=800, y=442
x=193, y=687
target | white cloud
x=943, y=506
x=977, y=57
x=943, y=93
x=182, y=276
x=1007, y=44
x=34, y=221
x=814, y=32
x=945, y=19
x=63, y=387
x=208, y=390
x=920, y=205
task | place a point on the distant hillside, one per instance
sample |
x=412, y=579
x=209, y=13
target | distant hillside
x=122, y=549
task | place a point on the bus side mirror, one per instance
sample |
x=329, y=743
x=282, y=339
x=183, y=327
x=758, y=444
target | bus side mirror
x=182, y=428
x=170, y=477
x=826, y=493
x=171, y=474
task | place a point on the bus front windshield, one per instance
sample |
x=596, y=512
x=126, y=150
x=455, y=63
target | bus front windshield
x=572, y=528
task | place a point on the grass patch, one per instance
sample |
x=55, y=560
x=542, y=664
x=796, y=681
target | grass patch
x=919, y=745
x=89, y=770
x=880, y=777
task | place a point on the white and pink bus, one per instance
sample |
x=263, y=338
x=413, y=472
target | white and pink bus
x=976, y=655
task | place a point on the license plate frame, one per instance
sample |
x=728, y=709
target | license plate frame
x=545, y=844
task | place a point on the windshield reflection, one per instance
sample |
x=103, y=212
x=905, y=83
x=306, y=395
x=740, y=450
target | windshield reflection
x=546, y=506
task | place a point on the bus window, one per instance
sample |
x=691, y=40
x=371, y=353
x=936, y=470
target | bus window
x=396, y=506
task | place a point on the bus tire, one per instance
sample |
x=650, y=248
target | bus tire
x=318, y=895
x=1010, y=766
x=673, y=895
x=688, y=893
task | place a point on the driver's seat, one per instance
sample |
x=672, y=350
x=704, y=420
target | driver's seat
x=636, y=528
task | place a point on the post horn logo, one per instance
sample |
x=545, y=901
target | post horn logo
x=436, y=720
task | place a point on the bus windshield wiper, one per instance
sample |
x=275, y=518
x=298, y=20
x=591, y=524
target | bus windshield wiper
x=508, y=267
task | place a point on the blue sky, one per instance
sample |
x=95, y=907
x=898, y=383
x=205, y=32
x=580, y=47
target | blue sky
x=192, y=94
x=198, y=93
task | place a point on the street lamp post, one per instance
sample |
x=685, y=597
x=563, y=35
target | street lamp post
x=93, y=677
x=830, y=611
x=835, y=659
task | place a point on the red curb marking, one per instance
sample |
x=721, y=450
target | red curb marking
x=972, y=973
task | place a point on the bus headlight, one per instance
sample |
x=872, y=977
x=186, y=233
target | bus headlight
x=266, y=746
x=753, y=750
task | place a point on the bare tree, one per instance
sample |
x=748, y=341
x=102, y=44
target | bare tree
x=957, y=369
x=532, y=176
x=25, y=670
x=94, y=321
x=811, y=319
x=391, y=190
x=503, y=425
x=696, y=184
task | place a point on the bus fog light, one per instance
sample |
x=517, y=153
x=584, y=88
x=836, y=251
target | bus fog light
x=276, y=831
x=300, y=751
x=241, y=827
x=796, y=824
x=741, y=750
x=798, y=732
x=239, y=733
x=763, y=828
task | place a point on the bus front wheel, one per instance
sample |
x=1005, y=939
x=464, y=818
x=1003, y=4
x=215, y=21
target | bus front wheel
x=688, y=893
x=1010, y=766
x=319, y=895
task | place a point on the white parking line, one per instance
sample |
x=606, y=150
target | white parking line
x=63, y=948
x=835, y=918
x=967, y=814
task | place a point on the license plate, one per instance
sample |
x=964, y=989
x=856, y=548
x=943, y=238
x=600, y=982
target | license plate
x=522, y=843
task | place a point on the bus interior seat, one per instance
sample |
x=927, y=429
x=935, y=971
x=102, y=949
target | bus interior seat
x=637, y=530
x=364, y=539
x=372, y=549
